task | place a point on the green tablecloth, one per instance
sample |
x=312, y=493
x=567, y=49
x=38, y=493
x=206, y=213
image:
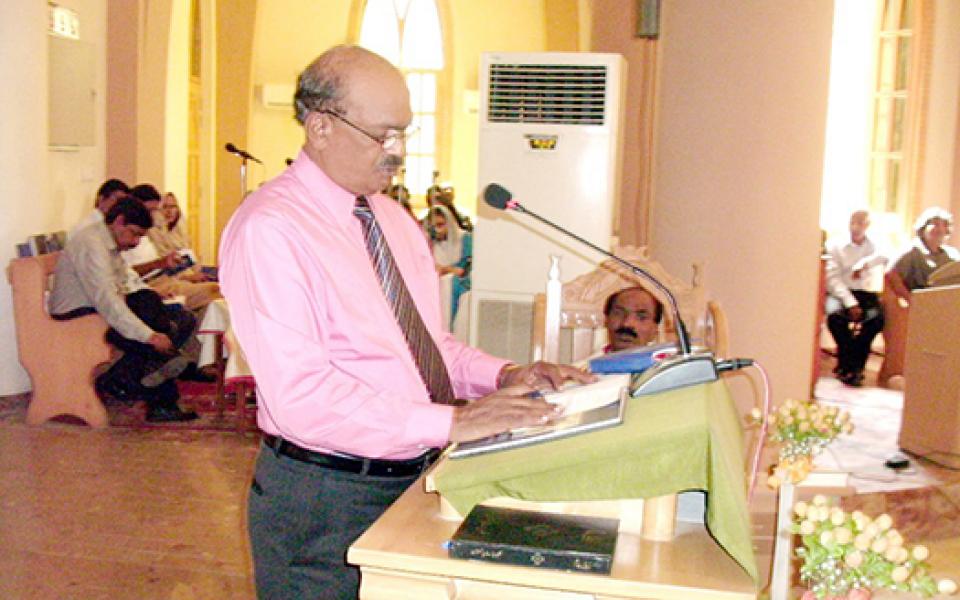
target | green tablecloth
x=686, y=439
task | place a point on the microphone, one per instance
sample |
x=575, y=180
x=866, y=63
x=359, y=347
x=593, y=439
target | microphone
x=229, y=147
x=683, y=369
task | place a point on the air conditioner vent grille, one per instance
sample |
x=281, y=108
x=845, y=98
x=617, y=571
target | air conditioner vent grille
x=562, y=94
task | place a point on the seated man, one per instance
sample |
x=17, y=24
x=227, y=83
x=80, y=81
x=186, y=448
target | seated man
x=91, y=277
x=110, y=191
x=854, y=314
x=632, y=318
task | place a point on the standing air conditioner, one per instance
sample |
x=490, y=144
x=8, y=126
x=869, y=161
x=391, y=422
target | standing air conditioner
x=550, y=132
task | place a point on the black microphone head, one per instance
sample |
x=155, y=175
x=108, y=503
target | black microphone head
x=497, y=196
x=231, y=148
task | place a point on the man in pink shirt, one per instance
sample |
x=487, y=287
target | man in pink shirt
x=347, y=417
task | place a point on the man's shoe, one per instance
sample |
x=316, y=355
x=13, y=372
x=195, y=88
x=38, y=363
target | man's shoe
x=202, y=375
x=169, y=414
x=168, y=370
x=108, y=390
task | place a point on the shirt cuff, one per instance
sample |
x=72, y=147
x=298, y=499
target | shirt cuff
x=428, y=425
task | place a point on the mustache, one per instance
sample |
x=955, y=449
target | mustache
x=626, y=331
x=391, y=161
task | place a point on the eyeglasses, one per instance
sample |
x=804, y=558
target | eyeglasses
x=388, y=141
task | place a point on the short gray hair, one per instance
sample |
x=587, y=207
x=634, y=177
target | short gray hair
x=321, y=85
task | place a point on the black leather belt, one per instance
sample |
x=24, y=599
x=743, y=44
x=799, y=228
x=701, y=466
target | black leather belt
x=375, y=467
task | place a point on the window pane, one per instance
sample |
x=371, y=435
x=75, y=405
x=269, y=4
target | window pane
x=423, y=91
x=428, y=134
x=893, y=185
x=422, y=40
x=903, y=62
x=380, y=30
x=419, y=173
x=906, y=15
x=881, y=126
x=899, y=111
x=887, y=64
x=891, y=16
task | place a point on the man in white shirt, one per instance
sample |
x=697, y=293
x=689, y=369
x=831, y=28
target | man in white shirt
x=91, y=277
x=854, y=316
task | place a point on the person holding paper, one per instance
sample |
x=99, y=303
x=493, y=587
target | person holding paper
x=335, y=302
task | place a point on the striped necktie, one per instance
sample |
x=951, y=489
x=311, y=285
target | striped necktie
x=424, y=349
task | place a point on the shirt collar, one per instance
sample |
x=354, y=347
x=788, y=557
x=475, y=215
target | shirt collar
x=104, y=232
x=338, y=201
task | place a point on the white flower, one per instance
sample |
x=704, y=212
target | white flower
x=879, y=545
x=884, y=522
x=894, y=538
x=826, y=537
x=900, y=574
x=837, y=516
x=807, y=527
x=854, y=559
x=947, y=586
x=920, y=553
x=800, y=509
x=842, y=535
x=862, y=542
x=819, y=500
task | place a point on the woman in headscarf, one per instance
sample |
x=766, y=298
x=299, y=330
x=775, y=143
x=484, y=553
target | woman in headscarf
x=452, y=252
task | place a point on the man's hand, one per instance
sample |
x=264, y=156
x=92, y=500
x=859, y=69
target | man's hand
x=161, y=343
x=543, y=374
x=500, y=411
x=170, y=261
x=855, y=313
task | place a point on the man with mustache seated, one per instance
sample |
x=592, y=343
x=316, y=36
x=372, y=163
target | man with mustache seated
x=633, y=318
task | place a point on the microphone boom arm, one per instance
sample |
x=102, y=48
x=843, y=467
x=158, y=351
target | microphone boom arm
x=682, y=334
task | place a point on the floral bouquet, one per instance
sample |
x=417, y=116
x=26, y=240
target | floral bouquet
x=848, y=555
x=803, y=430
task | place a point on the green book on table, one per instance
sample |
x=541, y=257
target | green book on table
x=527, y=538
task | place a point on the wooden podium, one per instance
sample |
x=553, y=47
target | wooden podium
x=931, y=398
x=403, y=556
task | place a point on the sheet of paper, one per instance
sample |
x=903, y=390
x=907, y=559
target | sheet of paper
x=576, y=398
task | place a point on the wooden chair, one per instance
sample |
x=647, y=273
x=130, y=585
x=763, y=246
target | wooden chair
x=894, y=333
x=238, y=377
x=59, y=356
x=568, y=318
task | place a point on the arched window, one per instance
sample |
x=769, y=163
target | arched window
x=408, y=34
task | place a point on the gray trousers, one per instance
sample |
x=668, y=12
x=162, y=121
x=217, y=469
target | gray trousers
x=302, y=518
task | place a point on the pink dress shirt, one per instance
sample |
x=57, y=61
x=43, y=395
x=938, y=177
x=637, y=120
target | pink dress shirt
x=333, y=371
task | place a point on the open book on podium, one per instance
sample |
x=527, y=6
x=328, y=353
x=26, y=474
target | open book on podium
x=586, y=407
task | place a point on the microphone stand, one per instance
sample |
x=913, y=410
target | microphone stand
x=686, y=368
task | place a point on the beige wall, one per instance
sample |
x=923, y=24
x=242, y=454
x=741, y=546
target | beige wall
x=41, y=189
x=307, y=28
x=739, y=146
x=235, y=21
x=121, y=96
x=613, y=30
x=23, y=155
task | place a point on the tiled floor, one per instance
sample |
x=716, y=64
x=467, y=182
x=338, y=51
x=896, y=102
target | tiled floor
x=125, y=513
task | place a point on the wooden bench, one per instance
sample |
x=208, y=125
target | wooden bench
x=59, y=356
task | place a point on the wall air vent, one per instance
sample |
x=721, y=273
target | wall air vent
x=560, y=94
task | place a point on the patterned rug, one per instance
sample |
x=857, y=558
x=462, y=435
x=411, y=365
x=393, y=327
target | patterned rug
x=200, y=397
